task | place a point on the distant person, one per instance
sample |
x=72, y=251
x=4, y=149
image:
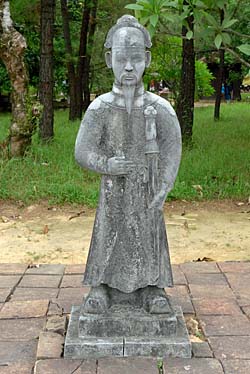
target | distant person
x=227, y=93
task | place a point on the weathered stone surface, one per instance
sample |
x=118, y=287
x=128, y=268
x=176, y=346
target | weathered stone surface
x=236, y=366
x=216, y=306
x=206, y=279
x=12, y=269
x=127, y=366
x=40, y=281
x=63, y=366
x=4, y=293
x=63, y=305
x=56, y=324
x=194, y=366
x=76, y=346
x=243, y=301
x=199, y=291
x=199, y=267
x=238, y=283
x=238, y=280
x=178, y=275
x=234, y=267
x=50, y=345
x=231, y=347
x=34, y=294
x=55, y=308
x=75, y=269
x=135, y=144
x=9, y=281
x=21, y=367
x=170, y=346
x=20, y=329
x=47, y=269
x=72, y=281
x=201, y=350
x=225, y=325
x=24, y=309
x=179, y=296
x=127, y=322
x=246, y=310
x=74, y=294
x=11, y=352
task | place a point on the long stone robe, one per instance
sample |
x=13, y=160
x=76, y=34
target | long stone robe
x=129, y=249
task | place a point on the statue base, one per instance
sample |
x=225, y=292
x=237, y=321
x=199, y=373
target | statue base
x=126, y=331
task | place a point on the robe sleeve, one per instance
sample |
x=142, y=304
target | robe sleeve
x=169, y=140
x=88, y=150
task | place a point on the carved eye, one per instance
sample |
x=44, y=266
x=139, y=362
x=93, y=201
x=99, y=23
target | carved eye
x=121, y=58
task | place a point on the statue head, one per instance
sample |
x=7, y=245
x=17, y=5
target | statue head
x=128, y=58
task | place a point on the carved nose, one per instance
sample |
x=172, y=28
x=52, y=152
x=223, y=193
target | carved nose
x=128, y=67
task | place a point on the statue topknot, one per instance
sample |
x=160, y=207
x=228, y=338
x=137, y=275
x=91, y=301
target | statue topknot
x=127, y=21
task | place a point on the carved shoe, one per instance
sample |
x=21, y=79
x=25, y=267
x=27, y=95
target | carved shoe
x=155, y=301
x=97, y=301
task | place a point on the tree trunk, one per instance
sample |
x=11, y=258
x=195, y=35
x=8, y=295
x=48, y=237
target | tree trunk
x=236, y=89
x=70, y=62
x=220, y=77
x=219, y=82
x=79, y=77
x=46, y=69
x=185, y=102
x=12, y=49
x=87, y=59
x=82, y=57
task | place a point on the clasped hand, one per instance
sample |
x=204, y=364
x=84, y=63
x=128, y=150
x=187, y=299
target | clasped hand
x=119, y=166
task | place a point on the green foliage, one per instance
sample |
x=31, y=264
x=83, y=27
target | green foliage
x=203, y=78
x=5, y=86
x=219, y=162
x=245, y=48
x=166, y=65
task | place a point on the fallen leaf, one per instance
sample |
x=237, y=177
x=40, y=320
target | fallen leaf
x=198, y=188
x=77, y=215
x=204, y=259
x=45, y=229
x=4, y=219
x=31, y=266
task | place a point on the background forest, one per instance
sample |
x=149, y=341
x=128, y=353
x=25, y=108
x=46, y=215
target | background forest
x=198, y=46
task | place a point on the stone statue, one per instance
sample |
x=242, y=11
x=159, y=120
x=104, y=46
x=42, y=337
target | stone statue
x=132, y=137
x=129, y=249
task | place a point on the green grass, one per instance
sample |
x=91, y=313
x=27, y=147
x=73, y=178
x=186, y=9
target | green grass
x=220, y=158
x=219, y=162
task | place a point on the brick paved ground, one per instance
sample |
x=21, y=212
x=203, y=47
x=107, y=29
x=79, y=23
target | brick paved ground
x=35, y=302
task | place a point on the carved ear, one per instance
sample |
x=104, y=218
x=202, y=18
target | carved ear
x=108, y=58
x=147, y=58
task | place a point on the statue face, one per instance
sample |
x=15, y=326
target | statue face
x=129, y=58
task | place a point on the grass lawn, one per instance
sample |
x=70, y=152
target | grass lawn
x=218, y=163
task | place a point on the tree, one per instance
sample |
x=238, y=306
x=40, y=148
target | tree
x=79, y=75
x=46, y=128
x=152, y=12
x=192, y=14
x=185, y=101
x=12, y=49
x=166, y=66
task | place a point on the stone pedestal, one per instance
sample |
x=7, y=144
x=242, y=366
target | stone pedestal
x=126, y=331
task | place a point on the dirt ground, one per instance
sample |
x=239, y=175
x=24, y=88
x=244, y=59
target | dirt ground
x=215, y=230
